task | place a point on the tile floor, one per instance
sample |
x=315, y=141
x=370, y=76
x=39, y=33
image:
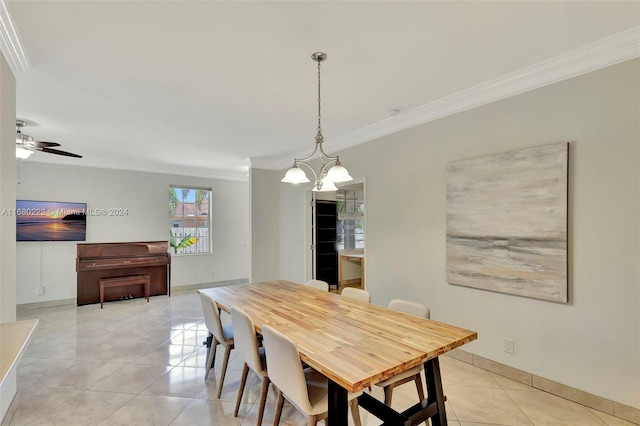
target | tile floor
x=138, y=363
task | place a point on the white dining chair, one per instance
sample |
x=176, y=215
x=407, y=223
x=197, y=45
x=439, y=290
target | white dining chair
x=408, y=307
x=248, y=347
x=357, y=294
x=413, y=374
x=304, y=388
x=222, y=335
x=319, y=284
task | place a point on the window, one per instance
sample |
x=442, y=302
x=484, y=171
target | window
x=350, y=219
x=189, y=220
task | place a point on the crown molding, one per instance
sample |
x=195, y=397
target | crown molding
x=611, y=50
x=10, y=44
x=165, y=169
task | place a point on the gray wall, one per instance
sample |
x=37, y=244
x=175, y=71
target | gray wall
x=593, y=342
x=144, y=195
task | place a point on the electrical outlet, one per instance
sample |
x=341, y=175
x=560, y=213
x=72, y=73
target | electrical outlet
x=508, y=346
x=41, y=291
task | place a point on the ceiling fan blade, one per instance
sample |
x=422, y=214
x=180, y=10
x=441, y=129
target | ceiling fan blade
x=43, y=144
x=59, y=152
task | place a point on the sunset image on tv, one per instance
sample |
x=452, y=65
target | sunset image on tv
x=50, y=221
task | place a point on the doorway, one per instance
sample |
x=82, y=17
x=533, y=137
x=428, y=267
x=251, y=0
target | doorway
x=338, y=235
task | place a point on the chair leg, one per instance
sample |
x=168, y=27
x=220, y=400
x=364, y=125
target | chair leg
x=388, y=391
x=225, y=363
x=313, y=421
x=419, y=387
x=355, y=412
x=243, y=382
x=263, y=398
x=212, y=357
x=279, y=405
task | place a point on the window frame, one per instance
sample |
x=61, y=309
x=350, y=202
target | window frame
x=173, y=219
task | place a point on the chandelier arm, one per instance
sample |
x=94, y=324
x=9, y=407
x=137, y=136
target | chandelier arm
x=310, y=155
x=301, y=162
x=325, y=154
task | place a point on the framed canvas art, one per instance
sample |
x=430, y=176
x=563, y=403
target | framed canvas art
x=50, y=221
x=507, y=222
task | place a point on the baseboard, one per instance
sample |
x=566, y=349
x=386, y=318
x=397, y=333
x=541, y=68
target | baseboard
x=587, y=399
x=6, y=421
x=25, y=307
x=47, y=304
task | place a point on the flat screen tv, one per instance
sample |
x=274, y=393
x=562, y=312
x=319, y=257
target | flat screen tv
x=50, y=221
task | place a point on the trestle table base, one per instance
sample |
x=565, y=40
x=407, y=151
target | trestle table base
x=431, y=408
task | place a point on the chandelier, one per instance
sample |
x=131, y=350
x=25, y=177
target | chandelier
x=331, y=171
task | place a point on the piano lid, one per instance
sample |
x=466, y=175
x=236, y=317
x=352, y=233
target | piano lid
x=124, y=249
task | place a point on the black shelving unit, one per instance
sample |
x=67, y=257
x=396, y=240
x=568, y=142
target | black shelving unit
x=326, y=239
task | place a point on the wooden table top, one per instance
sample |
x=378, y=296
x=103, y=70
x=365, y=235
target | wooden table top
x=353, y=343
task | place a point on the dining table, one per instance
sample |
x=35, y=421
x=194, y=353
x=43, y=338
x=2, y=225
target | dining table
x=353, y=343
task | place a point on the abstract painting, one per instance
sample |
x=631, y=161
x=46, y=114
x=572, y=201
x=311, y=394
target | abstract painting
x=507, y=222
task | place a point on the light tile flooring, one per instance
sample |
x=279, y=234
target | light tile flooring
x=137, y=363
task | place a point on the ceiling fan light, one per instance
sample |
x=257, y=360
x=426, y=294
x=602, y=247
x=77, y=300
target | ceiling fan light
x=22, y=153
x=295, y=175
x=338, y=173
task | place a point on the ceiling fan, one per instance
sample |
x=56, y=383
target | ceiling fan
x=27, y=145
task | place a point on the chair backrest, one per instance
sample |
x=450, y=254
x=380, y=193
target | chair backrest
x=319, y=284
x=244, y=335
x=285, y=368
x=212, y=316
x=357, y=294
x=412, y=308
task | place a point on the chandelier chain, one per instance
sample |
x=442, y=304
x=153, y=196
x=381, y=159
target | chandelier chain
x=319, y=114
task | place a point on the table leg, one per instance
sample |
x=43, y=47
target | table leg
x=435, y=392
x=338, y=405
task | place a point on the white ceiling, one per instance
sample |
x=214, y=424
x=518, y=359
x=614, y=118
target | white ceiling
x=200, y=87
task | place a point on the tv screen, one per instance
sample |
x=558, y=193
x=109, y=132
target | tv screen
x=50, y=221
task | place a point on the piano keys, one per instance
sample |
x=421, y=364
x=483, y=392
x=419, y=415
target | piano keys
x=96, y=261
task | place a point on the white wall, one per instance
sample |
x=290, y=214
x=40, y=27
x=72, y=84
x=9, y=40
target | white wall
x=265, y=197
x=593, y=342
x=295, y=215
x=7, y=222
x=7, y=192
x=144, y=195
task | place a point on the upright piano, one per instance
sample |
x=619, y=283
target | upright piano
x=96, y=261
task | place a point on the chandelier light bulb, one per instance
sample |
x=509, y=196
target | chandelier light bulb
x=339, y=174
x=325, y=185
x=295, y=175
